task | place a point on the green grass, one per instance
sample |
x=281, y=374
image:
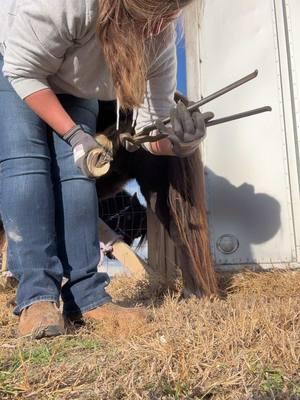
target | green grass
x=273, y=382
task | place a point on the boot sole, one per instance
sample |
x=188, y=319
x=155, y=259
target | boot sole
x=47, y=331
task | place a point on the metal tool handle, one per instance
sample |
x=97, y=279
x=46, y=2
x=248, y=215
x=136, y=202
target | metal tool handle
x=206, y=100
x=238, y=116
x=146, y=138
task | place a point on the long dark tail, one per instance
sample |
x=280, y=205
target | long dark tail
x=2, y=236
x=187, y=206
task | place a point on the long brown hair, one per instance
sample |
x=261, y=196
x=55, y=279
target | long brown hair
x=122, y=29
x=187, y=206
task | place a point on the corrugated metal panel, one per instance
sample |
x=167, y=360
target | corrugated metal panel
x=288, y=13
x=251, y=164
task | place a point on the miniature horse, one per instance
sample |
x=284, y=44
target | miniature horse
x=174, y=189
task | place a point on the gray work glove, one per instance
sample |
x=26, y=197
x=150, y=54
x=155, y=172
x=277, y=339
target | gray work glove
x=187, y=129
x=82, y=143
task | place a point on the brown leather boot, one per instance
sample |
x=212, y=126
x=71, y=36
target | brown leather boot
x=113, y=312
x=42, y=319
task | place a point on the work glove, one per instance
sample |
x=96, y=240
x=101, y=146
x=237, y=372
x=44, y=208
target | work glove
x=82, y=143
x=187, y=129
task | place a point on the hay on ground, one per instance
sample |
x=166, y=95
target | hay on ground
x=245, y=345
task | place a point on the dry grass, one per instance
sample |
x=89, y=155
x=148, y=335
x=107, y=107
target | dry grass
x=244, y=346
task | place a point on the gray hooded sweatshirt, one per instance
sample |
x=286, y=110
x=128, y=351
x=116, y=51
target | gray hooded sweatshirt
x=52, y=44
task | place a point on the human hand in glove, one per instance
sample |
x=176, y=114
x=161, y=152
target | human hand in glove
x=187, y=129
x=82, y=143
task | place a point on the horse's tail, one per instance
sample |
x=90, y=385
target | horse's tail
x=2, y=239
x=2, y=235
x=187, y=207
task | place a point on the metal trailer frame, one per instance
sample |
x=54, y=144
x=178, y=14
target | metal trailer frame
x=225, y=40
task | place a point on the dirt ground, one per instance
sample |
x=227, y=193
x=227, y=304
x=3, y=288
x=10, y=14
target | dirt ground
x=245, y=345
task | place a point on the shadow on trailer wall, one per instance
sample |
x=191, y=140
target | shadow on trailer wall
x=252, y=165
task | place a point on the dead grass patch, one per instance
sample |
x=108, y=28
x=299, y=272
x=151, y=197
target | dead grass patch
x=245, y=345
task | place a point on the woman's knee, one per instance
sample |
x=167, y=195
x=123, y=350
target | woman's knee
x=80, y=193
x=25, y=185
x=25, y=166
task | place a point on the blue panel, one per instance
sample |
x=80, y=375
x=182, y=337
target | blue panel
x=181, y=61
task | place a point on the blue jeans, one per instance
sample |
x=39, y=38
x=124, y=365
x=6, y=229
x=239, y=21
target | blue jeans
x=48, y=207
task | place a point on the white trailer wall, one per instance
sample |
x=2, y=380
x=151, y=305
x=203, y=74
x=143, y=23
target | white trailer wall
x=252, y=174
